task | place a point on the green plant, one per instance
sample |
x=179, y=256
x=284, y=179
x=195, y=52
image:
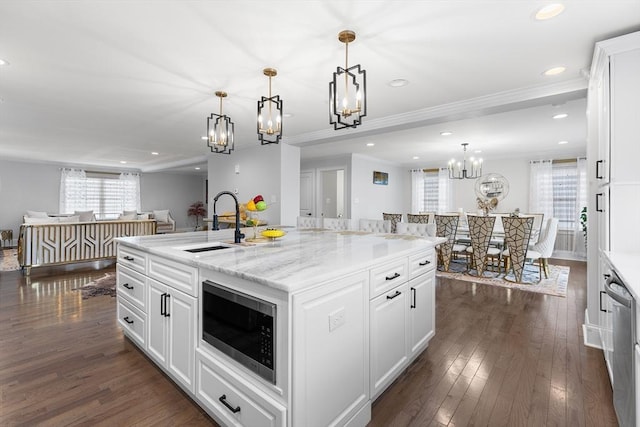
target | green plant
x=583, y=223
x=198, y=210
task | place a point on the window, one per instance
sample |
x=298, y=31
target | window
x=431, y=183
x=431, y=190
x=565, y=194
x=108, y=195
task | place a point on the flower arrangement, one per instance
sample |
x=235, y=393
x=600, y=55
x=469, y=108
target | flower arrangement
x=487, y=205
x=198, y=210
x=583, y=223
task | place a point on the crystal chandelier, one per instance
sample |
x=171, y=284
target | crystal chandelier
x=270, y=133
x=220, y=130
x=347, y=91
x=459, y=170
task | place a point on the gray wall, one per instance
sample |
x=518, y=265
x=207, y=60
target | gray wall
x=36, y=186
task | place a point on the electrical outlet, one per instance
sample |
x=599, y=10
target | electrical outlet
x=336, y=319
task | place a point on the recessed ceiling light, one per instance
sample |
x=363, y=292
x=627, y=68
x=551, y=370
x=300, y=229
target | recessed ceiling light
x=287, y=115
x=446, y=133
x=124, y=162
x=3, y=62
x=370, y=144
x=197, y=169
x=415, y=157
x=549, y=11
x=560, y=116
x=563, y=142
x=155, y=153
x=398, y=82
x=478, y=151
x=204, y=138
x=554, y=71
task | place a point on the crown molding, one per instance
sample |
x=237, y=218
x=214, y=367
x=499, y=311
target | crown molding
x=177, y=164
x=483, y=105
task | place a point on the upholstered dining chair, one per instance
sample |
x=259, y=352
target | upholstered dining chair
x=517, y=232
x=394, y=218
x=480, y=230
x=446, y=226
x=340, y=224
x=375, y=225
x=416, y=229
x=308, y=222
x=542, y=251
x=419, y=218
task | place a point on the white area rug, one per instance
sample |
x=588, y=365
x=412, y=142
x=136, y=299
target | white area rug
x=556, y=284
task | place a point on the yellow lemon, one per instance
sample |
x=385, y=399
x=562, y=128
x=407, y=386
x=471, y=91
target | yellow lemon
x=251, y=206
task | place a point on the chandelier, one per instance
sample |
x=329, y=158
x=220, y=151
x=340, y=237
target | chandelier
x=347, y=91
x=220, y=130
x=270, y=134
x=459, y=170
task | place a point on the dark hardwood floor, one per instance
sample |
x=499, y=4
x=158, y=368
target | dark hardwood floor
x=499, y=357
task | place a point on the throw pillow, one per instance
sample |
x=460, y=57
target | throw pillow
x=85, y=216
x=128, y=216
x=143, y=216
x=133, y=212
x=37, y=214
x=36, y=220
x=161, y=216
x=72, y=218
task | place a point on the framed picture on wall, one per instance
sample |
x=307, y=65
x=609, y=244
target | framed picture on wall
x=380, y=178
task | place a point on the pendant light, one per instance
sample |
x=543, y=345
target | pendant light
x=459, y=170
x=220, y=130
x=270, y=133
x=347, y=91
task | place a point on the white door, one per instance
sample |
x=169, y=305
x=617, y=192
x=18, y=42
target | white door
x=181, y=309
x=307, y=194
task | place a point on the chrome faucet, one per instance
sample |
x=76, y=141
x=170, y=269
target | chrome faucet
x=238, y=235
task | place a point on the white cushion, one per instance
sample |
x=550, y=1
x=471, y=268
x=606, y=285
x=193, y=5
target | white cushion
x=36, y=220
x=85, y=216
x=161, y=216
x=37, y=214
x=72, y=218
x=128, y=216
x=143, y=216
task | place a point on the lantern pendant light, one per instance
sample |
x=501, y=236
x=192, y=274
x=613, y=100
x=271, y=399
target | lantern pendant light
x=220, y=130
x=268, y=107
x=347, y=90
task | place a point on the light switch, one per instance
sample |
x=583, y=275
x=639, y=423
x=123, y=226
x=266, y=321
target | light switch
x=237, y=169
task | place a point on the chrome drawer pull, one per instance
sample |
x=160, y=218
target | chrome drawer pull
x=395, y=276
x=424, y=263
x=128, y=258
x=126, y=319
x=126, y=285
x=398, y=293
x=223, y=399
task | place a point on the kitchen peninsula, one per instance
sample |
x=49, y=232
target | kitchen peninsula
x=306, y=330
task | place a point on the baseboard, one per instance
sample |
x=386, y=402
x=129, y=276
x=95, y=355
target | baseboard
x=568, y=255
x=591, y=332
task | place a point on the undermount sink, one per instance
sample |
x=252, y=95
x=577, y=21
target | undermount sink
x=204, y=247
x=207, y=248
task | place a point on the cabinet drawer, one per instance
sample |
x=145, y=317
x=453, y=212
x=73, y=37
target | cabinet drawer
x=132, y=321
x=132, y=258
x=175, y=274
x=421, y=263
x=388, y=276
x=222, y=396
x=132, y=287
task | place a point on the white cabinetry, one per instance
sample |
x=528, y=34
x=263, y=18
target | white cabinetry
x=421, y=313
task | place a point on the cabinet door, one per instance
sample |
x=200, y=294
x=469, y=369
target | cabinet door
x=388, y=337
x=603, y=118
x=156, y=322
x=181, y=322
x=422, y=314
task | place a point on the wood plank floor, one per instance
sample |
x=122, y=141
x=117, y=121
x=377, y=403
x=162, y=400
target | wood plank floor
x=499, y=357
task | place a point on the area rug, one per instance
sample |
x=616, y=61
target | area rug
x=555, y=285
x=105, y=285
x=9, y=260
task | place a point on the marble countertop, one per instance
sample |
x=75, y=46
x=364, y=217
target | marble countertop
x=627, y=266
x=300, y=259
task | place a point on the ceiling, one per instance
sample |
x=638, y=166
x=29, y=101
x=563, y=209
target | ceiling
x=97, y=83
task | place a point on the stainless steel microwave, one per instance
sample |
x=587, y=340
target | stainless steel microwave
x=241, y=326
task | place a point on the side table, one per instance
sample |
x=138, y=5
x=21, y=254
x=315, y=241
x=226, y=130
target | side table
x=6, y=235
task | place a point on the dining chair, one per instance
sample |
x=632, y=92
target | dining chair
x=394, y=218
x=431, y=214
x=542, y=251
x=308, y=222
x=417, y=229
x=517, y=232
x=375, y=225
x=480, y=230
x=536, y=229
x=446, y=226
x=419, y=218
x=340, y=224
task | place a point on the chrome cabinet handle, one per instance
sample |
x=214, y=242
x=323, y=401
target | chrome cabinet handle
x=398, y=293
x=126, y=319
x=223, y=399
x=395, y=276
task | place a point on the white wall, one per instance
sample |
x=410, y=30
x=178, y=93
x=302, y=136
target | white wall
x=36, y=186
x=331, y=163
x=369, y=200
x=267, y=170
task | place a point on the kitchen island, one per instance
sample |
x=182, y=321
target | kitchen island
x=349, y=310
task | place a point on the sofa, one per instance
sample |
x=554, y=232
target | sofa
x=56, y=242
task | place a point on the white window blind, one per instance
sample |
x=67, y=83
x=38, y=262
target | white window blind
x=108, y=195
x=431, y=200
x=565, y=194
